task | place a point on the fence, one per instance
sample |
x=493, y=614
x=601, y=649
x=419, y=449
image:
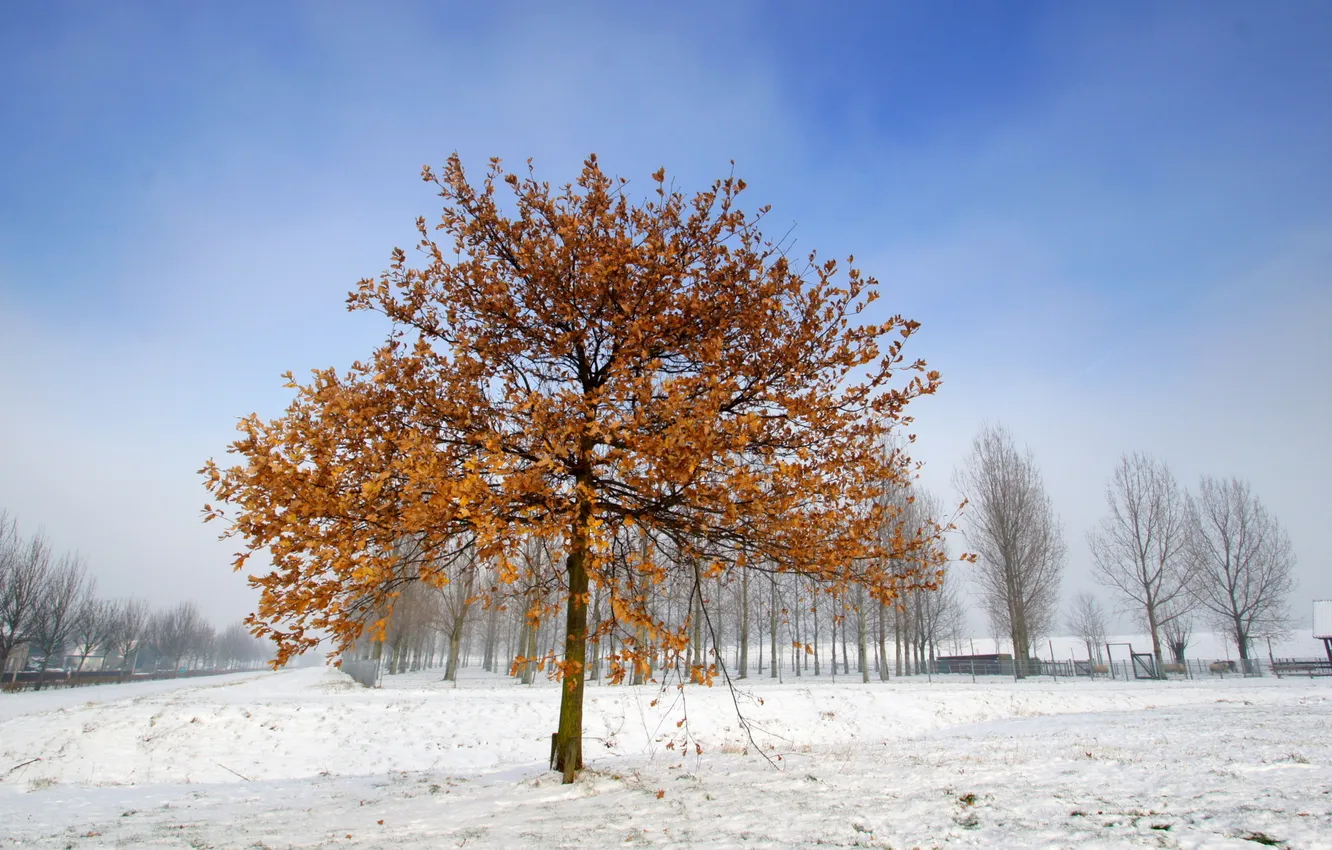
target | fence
x=27, y=680
x=1139, y=665
x=1302, y=667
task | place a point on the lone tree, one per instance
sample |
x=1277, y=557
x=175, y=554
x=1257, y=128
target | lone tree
x=1244, y=560
x=1140, y=547
x=1086, y=621
x=572, y=368
x=1017, y=537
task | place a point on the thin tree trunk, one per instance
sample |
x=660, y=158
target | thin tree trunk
x=814, y=614
x=594, y=666
x=744, y=625
x=860, y=636
x=772, y=628
x=568, y=743
x=897, y=637
x=833, y=644
x=883, y=646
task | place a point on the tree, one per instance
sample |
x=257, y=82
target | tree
x=1244, y=560
x=1086, y=620
x=176, y=632
x=1178, y=632
x=24, y=565
x=202, y=646
x=1017, y=538
x=923, y=618
x=92, y=627
x=571, y=366
x=61, y=602
x=129, y=627
x=1139, y=549
x=236, y=647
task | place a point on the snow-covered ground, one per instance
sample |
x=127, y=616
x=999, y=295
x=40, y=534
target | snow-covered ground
x=307, y=759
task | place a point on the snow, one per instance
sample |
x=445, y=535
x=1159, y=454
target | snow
x=305, y=758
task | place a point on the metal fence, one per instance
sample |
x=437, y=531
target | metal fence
x=27, y=680
x=1137, y=666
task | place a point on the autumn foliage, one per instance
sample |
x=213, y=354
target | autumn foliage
x=643, y=385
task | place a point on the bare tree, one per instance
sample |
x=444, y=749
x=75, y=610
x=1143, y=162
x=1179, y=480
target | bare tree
x=62, y=599
x=1086, y=620
x=129, y=627
x=92, y=627
x=943, y=616
x=1012, y=528
x=1244, y=560
x=938, y=614
x=237, y=648
x=174, y=632
x=24, y=565
x=924, y=618
x=1178, y=631
x=202, y=646
x=455, y=601
x=1139, y=549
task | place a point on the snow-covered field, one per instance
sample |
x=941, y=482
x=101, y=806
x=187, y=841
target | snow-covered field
x=304, y=758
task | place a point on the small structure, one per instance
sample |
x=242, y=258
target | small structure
x=1322, y=624
x=1322, y=630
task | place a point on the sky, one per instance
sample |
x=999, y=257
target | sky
x=1114, y=222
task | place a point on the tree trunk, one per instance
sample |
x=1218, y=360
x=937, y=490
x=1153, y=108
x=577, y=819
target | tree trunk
x=883, y=645
x=897, y=638
x=744, y=624
x=772, y=629
x=846, y=658
x=455, y=642
x=1241, y=642
x=833, y=643
x=696, y=622
x=861, y=654
x=797, y=634
x=1156, y=641
x=594, y=666
x=760, y=646
x=814, y=612
x=492, y=638
x=568, y=744
x=530, y=652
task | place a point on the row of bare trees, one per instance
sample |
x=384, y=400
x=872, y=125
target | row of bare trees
x=1167, y=554
x=50, y=610
x=742, y=626
x=1170, y=555
x=754, y=621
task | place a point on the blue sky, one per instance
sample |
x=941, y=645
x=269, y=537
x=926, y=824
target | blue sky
x=1114, y=221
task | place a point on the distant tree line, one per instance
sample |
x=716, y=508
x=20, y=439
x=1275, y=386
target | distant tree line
x=748, y=623
x=52, y=619
x=756, y=621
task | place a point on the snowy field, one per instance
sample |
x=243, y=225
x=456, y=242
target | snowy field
x=306, y=759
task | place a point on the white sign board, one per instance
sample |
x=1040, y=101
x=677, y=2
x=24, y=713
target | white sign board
x=1322, y=618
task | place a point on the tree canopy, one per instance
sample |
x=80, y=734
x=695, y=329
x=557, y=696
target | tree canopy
x=568, y=365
